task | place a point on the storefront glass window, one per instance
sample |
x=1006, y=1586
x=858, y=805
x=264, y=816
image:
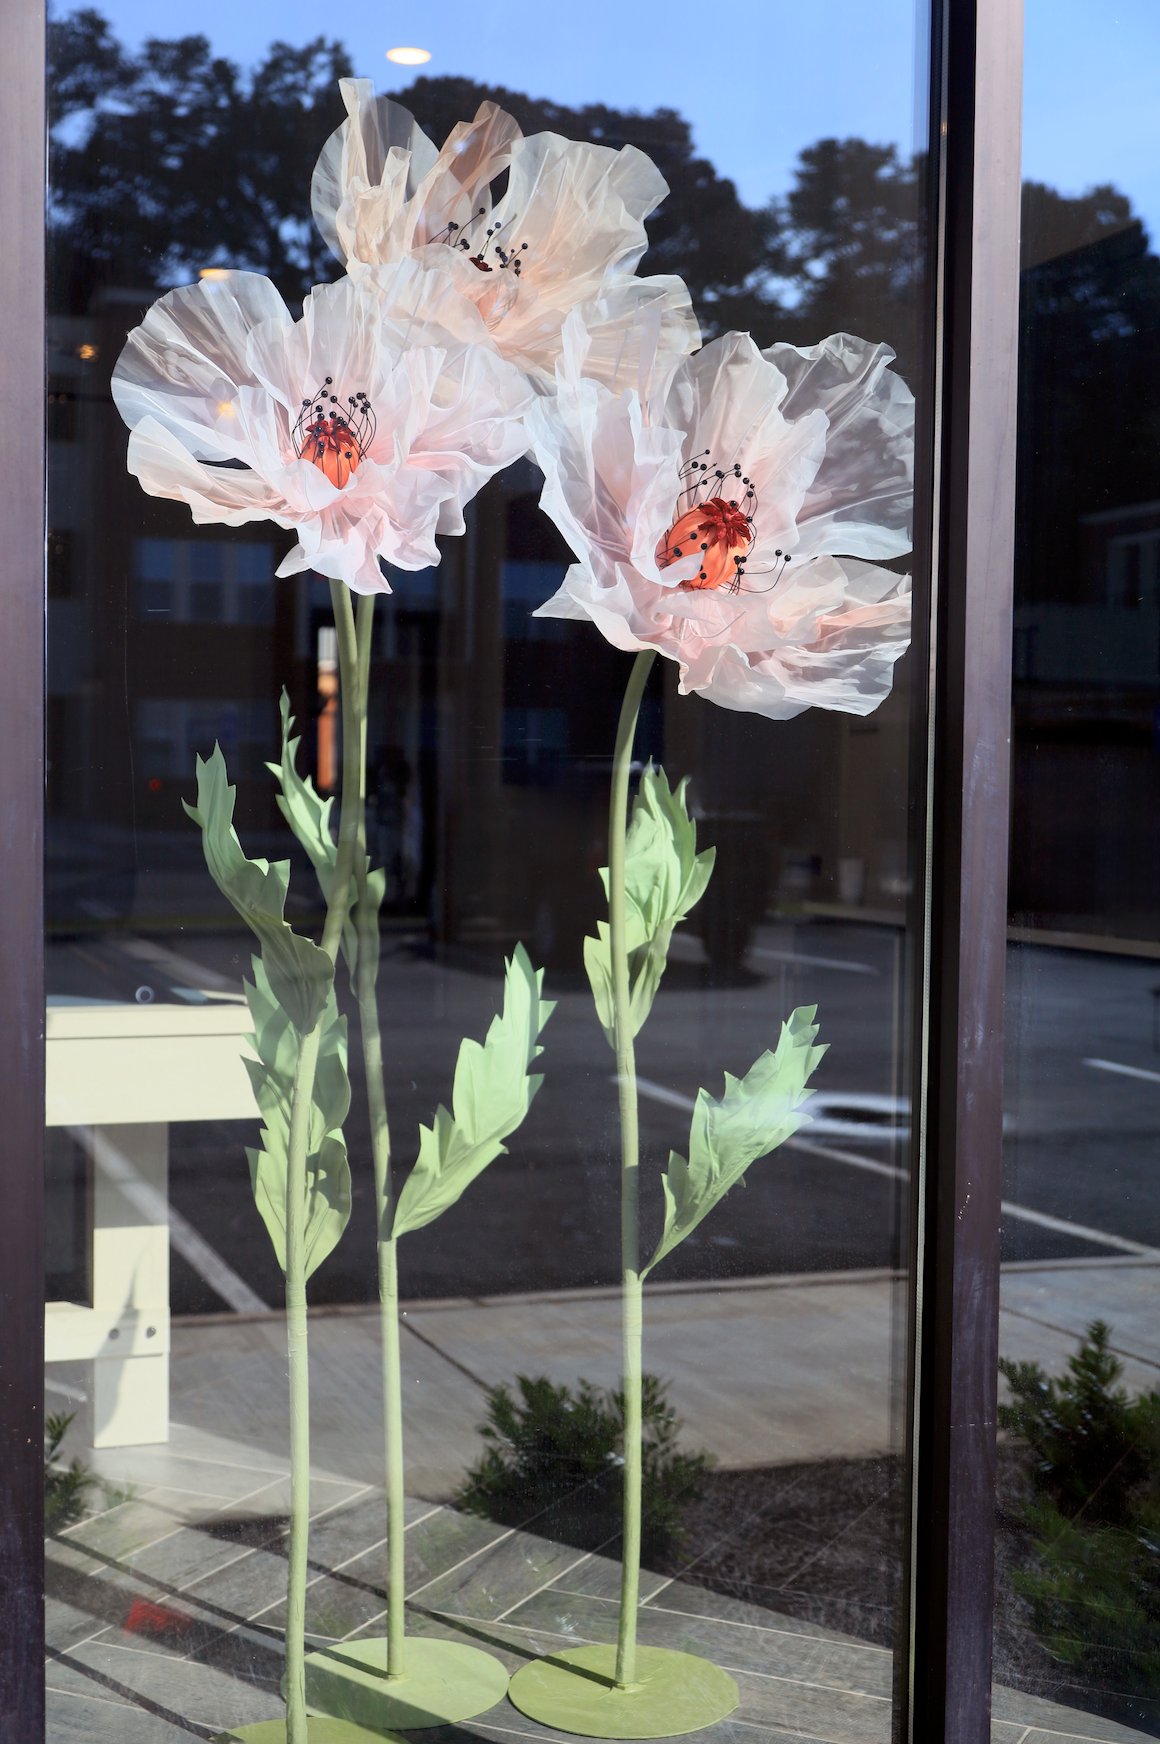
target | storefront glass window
x=1076, y=1618
x=592, y=366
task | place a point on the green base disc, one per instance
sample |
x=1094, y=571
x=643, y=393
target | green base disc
x=318, y=1731
x=442, y=1682
x=575, y=1691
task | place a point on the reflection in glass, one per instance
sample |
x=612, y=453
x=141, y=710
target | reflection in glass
x=1076, y=1618
x=775, y=1329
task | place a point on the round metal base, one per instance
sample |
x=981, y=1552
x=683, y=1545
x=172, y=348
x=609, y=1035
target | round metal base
x=575, y=1691
x=442, y=1682
x=319, y=1730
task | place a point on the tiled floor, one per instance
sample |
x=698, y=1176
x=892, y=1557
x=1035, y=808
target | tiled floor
x=164, y=1621
x=165, y=1608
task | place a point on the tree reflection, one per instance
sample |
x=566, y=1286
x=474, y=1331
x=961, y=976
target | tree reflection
x=174, y=159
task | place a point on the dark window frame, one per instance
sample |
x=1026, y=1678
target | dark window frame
x=966, y=473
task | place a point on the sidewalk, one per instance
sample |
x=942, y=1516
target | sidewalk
x=767, y=1370
x=159, y=1628
x=762, y=1371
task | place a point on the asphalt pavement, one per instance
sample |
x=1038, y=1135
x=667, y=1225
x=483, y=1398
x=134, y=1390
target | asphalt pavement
x=1083, y=1114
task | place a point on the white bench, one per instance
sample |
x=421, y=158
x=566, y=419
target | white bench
x=116, y=1076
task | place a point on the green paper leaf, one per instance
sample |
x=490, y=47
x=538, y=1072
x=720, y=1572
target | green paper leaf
x=301, y=974
x=492, y=1094
x=664, y=877
x=308, y=815
x=276, y=1042
x=755, y=1115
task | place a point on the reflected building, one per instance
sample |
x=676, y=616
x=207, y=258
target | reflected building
x=1086, y=795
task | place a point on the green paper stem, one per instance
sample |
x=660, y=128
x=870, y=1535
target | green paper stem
x=629, y=1166
x=367, y=927
x=299, y=1388
x=350, y=817
x=457, y=1147
x=352, y=704
x=393, y=1423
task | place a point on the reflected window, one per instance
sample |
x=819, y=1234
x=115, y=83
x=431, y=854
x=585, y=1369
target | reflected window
x=203, y=581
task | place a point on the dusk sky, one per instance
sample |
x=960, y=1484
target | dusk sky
x=758, y=80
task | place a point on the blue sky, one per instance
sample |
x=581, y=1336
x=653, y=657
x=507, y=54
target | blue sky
x=758, y=81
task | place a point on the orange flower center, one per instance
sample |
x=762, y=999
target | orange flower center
x=334, y=438
x=333, y=448
x=716, y=530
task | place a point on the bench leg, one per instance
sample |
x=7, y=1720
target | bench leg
x=131, y=1272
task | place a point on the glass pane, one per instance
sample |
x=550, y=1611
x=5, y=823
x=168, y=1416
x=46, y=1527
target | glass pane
x=1076, y=1618
x=611, y=416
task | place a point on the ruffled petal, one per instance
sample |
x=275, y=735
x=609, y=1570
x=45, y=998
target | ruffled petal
x=186, y=361
x=800, y=629
x=575, y=214
x=441, y=413
x=635, y=336
x=610, y=480
x=860, y=502
x=456, y=190
x=367, y=171
x=572, y=217
x=166, y=468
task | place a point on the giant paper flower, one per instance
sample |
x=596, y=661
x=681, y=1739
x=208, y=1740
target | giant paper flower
x=568, y=231
x=366, y=426
x=725, y=514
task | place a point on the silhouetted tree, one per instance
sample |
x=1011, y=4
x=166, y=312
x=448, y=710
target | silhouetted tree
x=849, y=242
x=1054, y=224
x=171, y=160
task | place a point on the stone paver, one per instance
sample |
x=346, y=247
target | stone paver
x=165, y=1608
x=143, y=1652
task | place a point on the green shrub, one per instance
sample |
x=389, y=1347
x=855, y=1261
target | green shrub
x=554, y=1461
x=64, y=1485
x=1094, y=1596
x=1093, y=1444
x=1093, y=1513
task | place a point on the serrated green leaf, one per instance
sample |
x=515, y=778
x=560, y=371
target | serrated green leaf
x=300, y=973
x=664, y=877
x=492, y=1094
x=598, y=962
x=308, y=815
x=276, y=1042
x=663, y=873
x=755, y=1115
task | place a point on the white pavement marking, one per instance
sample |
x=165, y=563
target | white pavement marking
x=156, y=1208
x=200, y=979
x=1080, y=1231
x=74, y=1393
x=849, y=1157
x=658, y=1093
x=1020, y=1213
x=1124, y=1071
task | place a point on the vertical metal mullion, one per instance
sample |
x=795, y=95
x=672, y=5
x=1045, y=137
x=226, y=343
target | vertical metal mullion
x=22, y=148
x=975, y=136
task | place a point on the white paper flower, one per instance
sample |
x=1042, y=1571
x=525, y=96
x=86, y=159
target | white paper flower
x=366, y=426
x=724, y=515
x=568, y=232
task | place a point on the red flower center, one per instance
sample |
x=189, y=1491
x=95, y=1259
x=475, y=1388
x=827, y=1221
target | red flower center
x=716, y=529
x=334, y=438
x=333, y=448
